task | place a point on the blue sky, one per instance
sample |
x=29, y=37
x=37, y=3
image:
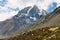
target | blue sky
x=3, y=3
x=52, y=7
x=9, y=8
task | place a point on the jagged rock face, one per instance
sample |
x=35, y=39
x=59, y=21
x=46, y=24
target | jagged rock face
x=21, y=22
x=27, y=17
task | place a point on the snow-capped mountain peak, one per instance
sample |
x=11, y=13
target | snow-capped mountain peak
x=28, y=16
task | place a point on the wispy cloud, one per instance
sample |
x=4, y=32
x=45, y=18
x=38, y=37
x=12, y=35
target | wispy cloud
x=11, y=7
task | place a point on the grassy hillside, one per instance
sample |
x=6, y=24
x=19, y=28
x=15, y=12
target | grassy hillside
x=47, y=33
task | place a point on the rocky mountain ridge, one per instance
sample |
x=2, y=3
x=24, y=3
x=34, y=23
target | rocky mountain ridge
x=26, y=20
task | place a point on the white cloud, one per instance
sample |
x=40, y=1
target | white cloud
x=44, y=4
x=6, y=15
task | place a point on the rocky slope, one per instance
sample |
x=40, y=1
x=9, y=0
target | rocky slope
x=21, y=22
x=28, y=19
x=52, y=19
